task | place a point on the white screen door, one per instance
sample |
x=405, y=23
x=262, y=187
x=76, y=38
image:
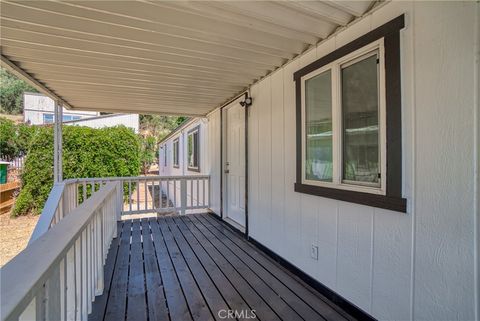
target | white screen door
x=234, y=164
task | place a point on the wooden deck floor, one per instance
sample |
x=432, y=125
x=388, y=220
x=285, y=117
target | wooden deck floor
x=195, y=267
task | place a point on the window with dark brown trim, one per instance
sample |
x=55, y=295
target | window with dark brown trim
x=348, y=110
x=193, y=149
x=176, y=144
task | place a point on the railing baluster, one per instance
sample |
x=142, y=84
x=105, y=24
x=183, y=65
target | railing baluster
x=183, y=195
x=30, y=312
x=146, y=196
x=167, y=205
x=138, y=194
x=70, y=284
x=130, y=195
x=84, y=276
x=191, y=192
x=53, y=295
x=198, y=192
x=152, y=193
x=203, y=198
x=175, y=193
x=63, y=289
x=40, y=308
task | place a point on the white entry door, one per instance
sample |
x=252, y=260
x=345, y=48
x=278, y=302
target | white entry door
x=234, y=164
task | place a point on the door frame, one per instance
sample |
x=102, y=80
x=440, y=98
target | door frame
x=223, y=157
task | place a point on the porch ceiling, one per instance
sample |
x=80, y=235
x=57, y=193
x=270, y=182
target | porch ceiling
x=172, y=57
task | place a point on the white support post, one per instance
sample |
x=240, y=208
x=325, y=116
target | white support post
x=57, y=143
x=183, y=195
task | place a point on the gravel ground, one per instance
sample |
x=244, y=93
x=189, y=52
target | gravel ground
x=14, y=235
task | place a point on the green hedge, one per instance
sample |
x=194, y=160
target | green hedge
x=15, y=139
x=87, y=152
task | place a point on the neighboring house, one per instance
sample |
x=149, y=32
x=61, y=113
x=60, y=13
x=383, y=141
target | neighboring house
x=38, y=109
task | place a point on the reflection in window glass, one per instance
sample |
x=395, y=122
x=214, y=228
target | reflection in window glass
x=175, y=152
x=318, y=115
x=360, y=121
x=192, y=149
x=47, y=118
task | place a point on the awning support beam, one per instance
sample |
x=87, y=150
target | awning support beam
x=22, y=74
x=57, y=143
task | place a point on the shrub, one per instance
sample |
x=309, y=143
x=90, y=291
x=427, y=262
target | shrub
x=87, y=152
x=8, y=147
x=15, y=139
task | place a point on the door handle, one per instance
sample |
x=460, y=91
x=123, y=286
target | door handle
x=226, y=171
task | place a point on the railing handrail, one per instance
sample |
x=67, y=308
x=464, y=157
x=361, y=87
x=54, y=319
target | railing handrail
x=128, y=178
x=48, y=212
x=20, y=278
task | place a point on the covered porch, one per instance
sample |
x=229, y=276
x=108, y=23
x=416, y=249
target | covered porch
x=394, y=238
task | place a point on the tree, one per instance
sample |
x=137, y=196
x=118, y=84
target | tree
x=11, y=93
x=148, y=152
x=159, y=126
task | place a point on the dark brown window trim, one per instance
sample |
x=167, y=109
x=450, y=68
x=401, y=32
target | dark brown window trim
x=194, y=169
x=393, y=200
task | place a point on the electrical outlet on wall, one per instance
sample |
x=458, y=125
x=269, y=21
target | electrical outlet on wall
x=314, y=252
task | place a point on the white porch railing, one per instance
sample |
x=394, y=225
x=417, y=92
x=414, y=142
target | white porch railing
x=147, y=194
x=140, y=194
x=58, y=276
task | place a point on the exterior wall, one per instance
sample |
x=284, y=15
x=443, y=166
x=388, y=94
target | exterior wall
x=419, y=265
x=167, y=145
x=128, y=120
x=36, y=105
x=207, y=160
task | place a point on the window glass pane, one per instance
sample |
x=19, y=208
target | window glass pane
x=47, y=118
x=175, y=153
x=195, y=149
x=360, y=121
x=318, y=129
x=190, y=151
x=164, y=155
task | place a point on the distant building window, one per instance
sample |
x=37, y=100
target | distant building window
x=48, y=118
x=193, y=152
x=70, y=117
x=175, y=153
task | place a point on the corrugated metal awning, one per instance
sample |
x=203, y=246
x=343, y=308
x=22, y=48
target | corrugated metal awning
x=173, y=57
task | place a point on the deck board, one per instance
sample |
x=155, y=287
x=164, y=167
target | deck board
x=157, y=304
x=193, y=267
x=137, y=305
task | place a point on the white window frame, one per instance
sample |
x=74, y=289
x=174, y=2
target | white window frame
x=376, y=47
x=195, y=150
